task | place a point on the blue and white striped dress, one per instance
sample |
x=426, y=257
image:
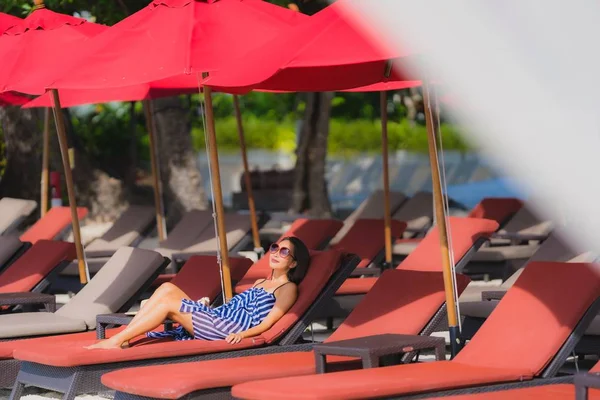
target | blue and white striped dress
x=244, y=311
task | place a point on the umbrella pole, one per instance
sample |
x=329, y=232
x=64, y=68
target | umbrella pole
x=251, y=205
x=45, y=163
x=218, y=194
x=386, y=180
x=441, y=224
x=84, y=274
x=158, y=205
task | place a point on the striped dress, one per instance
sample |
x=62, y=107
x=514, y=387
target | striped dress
x=243, y=312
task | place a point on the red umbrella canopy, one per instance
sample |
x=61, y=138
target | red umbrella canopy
x=39, y=44
x=12, y=99
x=7, y=20
x=174, y=37
x=326, y=52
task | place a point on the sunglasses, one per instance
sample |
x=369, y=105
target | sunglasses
x=283, y=251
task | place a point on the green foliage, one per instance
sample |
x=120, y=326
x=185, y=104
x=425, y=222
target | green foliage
x=345, y=137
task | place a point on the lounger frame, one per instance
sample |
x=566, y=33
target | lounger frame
x=76, y=380
x=9, y=369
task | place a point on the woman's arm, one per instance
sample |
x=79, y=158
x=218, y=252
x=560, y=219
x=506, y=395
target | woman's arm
x=284, y=300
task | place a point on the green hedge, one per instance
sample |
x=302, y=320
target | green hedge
x=344, y=136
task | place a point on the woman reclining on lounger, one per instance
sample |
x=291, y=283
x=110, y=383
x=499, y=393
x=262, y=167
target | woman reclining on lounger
x=245, y=315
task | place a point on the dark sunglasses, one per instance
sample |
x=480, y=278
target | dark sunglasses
x=283, y=251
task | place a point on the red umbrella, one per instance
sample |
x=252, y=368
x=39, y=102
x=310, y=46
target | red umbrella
x=7, y=20
x=176, y=37
x=38, y=44
x=325, y=53
x=12, y=99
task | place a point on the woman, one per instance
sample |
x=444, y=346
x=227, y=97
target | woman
x=246, y=315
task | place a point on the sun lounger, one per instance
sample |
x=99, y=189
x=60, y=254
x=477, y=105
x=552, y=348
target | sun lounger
x=77, y=370
x=417, y=212
x=51, y=225
x=13, y=212
x=35, y=269
x=371, y=208
x=500, y=210
x=401, y=302
x=530, y=334
x=10, y=250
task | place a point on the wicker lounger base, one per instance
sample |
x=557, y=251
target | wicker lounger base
x=73, y=381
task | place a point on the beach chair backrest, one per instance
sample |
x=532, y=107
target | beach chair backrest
x=13, y=211
x=9, y=245
x=466, y=232
x=237, y=226
x=371, y=208
x=117, y=281
x=499, y=209
x=535, y=318
x=126, y=230
x=417, y=212
x=525, y=221
x=366, y=238
x=187, y=230
x=402, y=302
x=200, y=276
x=34, y=265
x=52, y=224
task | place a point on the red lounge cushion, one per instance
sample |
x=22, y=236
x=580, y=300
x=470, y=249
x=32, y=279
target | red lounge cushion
x=366, y=239
x=73, y=352
x=356, y=286
x=188, y=377
x=376, y=382
x=498, y=209
x=34, y=265
x=464, y=231
x=51, y=224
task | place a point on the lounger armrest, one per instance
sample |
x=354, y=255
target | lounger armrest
x=492, y=295
x=28, y=298
x=99, y=253
x=415, y=232
x=583, y=382
x=517, y=238
x=366, y=272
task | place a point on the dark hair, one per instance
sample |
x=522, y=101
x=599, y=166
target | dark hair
x=302, y=258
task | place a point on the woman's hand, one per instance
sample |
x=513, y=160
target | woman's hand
x=234, y=338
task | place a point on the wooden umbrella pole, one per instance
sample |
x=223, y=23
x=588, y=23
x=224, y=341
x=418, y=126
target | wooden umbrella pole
x=440, y=215
x=84, y=274
x=217, y=192
x=386, y=180
x=45, y=164
x=158, y=204
x=251, y=205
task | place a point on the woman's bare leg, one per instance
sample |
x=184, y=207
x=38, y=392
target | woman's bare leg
x=164, y=291
x=167, y=305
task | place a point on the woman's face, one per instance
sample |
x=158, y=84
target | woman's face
x=283, y=258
